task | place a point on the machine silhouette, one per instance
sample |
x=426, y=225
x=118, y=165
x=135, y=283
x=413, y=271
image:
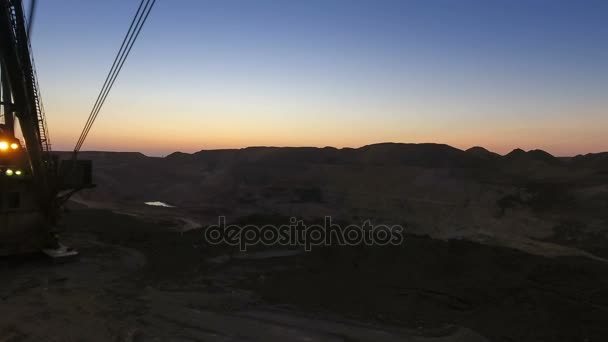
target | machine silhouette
x=34, y=183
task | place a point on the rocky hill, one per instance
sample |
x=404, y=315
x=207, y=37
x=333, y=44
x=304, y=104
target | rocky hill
x=435, y=189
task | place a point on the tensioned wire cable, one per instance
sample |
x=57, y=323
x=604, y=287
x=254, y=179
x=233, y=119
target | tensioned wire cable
x=127, y=44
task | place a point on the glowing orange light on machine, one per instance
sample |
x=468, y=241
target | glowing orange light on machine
x=14, y=146
x=3, y=145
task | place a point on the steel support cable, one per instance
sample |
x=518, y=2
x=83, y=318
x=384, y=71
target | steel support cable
x=118, y=61
x=134, y=30
x=117, y=70
x=30, y=21
x=105, y=83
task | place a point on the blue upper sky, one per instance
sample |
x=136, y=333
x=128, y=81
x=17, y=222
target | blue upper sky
x=213, y=74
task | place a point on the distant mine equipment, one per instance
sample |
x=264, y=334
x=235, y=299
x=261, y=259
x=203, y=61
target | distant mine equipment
x=35, y=183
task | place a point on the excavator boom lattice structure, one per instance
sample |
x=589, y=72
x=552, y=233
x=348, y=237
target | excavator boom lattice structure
x=29, y=181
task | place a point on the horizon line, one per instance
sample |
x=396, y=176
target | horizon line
x=328, y=146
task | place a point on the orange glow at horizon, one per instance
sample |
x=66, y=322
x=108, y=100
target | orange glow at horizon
x=560, y=139
x=188, y=123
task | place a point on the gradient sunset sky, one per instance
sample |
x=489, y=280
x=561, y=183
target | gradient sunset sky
x=226, y=74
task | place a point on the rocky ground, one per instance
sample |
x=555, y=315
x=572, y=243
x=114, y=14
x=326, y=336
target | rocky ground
x=140, y=280
x=498, y=248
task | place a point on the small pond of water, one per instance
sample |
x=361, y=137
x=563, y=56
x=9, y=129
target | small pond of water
x=159, y=204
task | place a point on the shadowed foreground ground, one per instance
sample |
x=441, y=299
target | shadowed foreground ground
x=139, y=281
